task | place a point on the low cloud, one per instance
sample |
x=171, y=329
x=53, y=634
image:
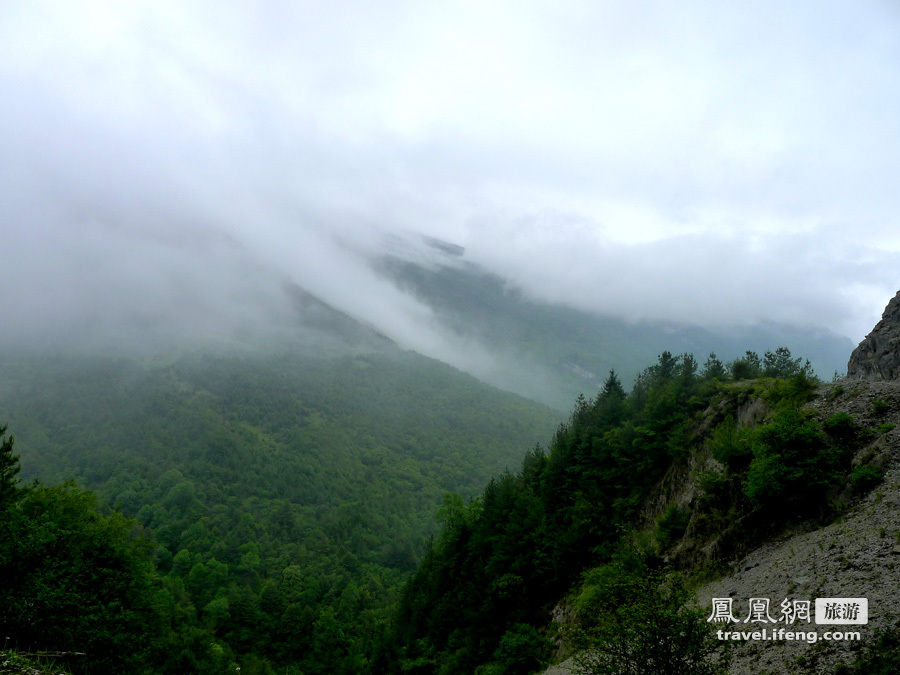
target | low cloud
x=168, y=168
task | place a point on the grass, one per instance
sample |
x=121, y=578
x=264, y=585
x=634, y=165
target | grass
x=13, y=662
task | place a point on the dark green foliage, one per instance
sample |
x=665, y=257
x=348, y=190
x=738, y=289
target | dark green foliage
x=9, y=470
x=500, y=561
x=843, y=430
x=746, y=367
x=864, y=478
x=289, y=498
x=75, y=580
x=878, y=407
x=713, y=484
x=881, y=656
x=642, y=625
x=713, y=369
x=522, y=650
x=792, y=465
x=671, y=525
x=728, y=445
x=780, y=363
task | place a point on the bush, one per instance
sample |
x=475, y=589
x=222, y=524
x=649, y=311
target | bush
x=651, y=630
x=864, y=478
x=713, y=484
x=878, y=407
x=792, y=463
x=843, y=429
x=727, y=444
x=522, y=649
x=74, y=579
x=672, y=525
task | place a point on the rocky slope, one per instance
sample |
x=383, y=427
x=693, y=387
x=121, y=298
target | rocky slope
x=856, y=555
x=878, y=356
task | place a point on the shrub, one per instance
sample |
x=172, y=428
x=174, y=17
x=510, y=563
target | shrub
x=878, y=407
x=792, y=463
x=713, y=484
x=843, y=430
x=522, y=649
x=651, y=629
x=864, y=478
x=727, y=443
x=672, y=525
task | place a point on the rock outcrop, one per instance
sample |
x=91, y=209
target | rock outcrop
x=878, y=356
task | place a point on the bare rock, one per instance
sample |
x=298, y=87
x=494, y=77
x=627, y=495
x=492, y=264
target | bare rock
x=878, y=356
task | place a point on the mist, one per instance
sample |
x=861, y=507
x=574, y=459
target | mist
x=168, y=171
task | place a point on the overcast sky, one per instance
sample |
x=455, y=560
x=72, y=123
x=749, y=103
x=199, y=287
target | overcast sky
x=698, y=161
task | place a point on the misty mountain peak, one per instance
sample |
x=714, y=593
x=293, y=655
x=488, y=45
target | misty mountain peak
x=878, y=356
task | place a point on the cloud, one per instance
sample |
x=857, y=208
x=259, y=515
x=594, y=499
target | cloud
x=170, y=163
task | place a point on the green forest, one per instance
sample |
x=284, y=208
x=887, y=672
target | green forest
x=261, y=512
x=382, y=513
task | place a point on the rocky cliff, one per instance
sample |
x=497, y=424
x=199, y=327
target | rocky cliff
x=878, y=356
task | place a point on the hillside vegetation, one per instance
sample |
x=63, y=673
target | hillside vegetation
x=261, y=512
x=274, y=514
x=691, y=468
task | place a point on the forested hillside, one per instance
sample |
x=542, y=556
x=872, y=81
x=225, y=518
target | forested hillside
x=691, y=467
x=282, y=499
x=273, y=514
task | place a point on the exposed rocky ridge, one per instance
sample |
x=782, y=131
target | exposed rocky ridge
x=878, y=356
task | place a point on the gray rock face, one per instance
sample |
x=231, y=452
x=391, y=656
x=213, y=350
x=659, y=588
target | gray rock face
x=878, y=356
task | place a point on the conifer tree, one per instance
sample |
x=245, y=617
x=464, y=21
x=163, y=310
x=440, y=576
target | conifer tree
x=9, y=469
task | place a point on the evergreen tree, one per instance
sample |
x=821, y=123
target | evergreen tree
x=9, y=469
x=747, y=367
x=713, y=369
x=613, y=386
x=780, y=364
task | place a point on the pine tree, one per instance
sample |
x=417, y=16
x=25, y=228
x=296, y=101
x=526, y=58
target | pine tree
x=9, y=469
x=613, y=386
x=713, y=369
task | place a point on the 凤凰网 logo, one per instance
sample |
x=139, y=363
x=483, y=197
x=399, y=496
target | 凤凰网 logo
x=793, y=614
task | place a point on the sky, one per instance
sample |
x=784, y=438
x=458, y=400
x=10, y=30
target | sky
x=173, y=163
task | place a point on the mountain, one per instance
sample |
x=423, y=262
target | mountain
x=285, y=496
x=266, y=500
x=552, y=353
x=651, y=511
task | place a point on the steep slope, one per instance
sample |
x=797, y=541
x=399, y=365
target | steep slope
x=854, y=553
x=289, y=495
x=552, y=353
x=686, y=473
x=849, y=549
x=856, y=556
x=878, y=356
